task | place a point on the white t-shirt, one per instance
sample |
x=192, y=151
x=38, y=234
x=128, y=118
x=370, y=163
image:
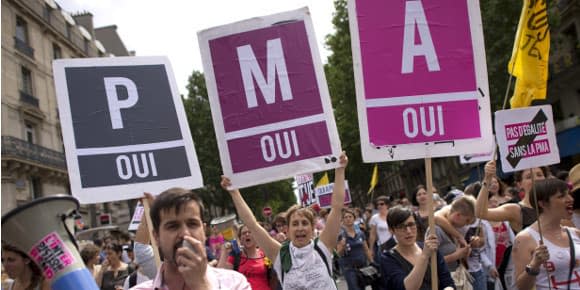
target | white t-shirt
x=308, y=270
x=383, y=233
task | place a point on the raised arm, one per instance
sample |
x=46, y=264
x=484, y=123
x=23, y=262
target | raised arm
x=441, y=220
x=506, y=212
x=269, y=245
x=330, y=233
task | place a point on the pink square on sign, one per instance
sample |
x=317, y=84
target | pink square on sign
x=236, y=112
x=381, y=26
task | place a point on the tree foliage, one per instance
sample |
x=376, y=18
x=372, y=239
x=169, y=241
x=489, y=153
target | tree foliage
x=340, y=78
x=277, y=195
x=500, y=21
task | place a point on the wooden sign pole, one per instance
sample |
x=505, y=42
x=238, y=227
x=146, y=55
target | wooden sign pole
x=429, y=182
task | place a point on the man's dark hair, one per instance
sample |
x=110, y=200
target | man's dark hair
x=397, y=216
x=547, y=188
x=174, y=198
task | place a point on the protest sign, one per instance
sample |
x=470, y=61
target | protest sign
x=526, y=138
x=305, y=188
x=124, y=128
x=269, y=99
x=478, y=157
x=421, y=78
x=324, y=194
x=136, y=219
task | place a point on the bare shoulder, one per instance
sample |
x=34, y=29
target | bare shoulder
x=524, y=241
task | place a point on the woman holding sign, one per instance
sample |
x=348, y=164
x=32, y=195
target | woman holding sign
x=519, y=215
x=551, y=263
x=303, y=262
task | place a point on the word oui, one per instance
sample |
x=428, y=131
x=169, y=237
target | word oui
x=273, y=147
x=129, y=166
x=413, y=122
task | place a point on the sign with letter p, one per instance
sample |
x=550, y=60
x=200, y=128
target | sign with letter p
x=124, y=128
x=269, y=99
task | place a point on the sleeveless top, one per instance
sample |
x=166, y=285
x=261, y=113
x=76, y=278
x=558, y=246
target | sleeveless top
x=557, y=267
x=528, y=215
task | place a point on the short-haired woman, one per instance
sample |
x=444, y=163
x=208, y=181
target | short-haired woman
x=539, y=264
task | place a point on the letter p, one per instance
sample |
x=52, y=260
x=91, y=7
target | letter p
x=115, y=105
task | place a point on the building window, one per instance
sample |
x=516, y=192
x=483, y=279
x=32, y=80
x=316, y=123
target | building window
x=26, y=78
x=29, y=132
x=68, y=31
x=21, y=30
x=35, y=187
x=87, y=46
x=56, y=52
x=47, y=11
x=21, y=40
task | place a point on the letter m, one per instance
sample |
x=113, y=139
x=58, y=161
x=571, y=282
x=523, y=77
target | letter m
x=276, y=66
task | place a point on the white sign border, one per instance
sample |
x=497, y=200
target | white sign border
x=526, y=115
x=282, y=171
x=125, y=191
x=372, y=153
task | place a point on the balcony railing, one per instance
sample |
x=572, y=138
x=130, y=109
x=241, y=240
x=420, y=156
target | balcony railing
x=22, y=150
x=23, y=47
x=28, y=99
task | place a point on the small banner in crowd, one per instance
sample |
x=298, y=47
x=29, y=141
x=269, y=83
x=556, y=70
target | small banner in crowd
x=124, y=128
x=526, y=138
x=137, y=215
x=478, y=157
x=305, y=187
x=324, y=194
x=269, y=99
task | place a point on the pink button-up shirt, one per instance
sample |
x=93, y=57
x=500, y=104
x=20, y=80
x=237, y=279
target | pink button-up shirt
x=218, y=278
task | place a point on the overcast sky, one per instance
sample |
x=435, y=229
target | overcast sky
x=169, y=27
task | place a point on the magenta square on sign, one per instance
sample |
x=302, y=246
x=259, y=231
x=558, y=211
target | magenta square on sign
x=264, y=150
x=403, y=124
x=381, y=32
x=236, y=113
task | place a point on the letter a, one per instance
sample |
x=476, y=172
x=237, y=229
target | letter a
x=115, y=105
x=415, y=15
x=251, y=70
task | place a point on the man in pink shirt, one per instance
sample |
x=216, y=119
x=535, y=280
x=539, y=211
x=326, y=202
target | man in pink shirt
x=176, y=215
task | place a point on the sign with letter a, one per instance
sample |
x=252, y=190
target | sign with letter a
x=421, y=78
x=526, y=138
x=124, y=128
x=269, y=99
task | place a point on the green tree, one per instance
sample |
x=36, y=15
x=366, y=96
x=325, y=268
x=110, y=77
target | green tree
x=340, y=78
x=500, y=21
x=278, y=195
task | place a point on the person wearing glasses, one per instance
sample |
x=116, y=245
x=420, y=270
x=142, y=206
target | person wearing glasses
x=407, y=265
x=379, y=229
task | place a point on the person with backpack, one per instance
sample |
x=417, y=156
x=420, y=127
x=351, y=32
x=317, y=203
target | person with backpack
x=353, y=250
x=250, y=260
x=303, y=262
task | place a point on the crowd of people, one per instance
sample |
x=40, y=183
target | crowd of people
x=486, y=236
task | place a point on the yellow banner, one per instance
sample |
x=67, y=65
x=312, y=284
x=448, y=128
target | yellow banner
x=374, y=179
x=529, y=61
